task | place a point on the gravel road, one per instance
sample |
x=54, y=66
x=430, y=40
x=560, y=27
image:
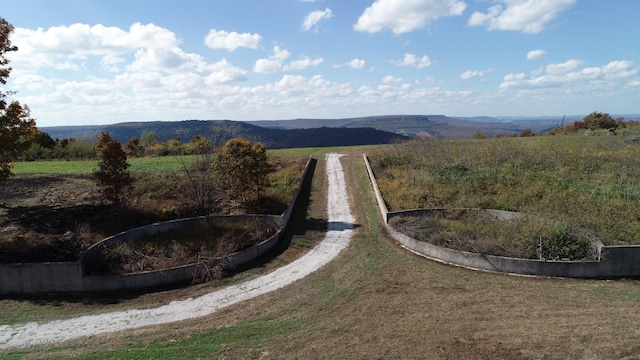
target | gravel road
x=336, y=239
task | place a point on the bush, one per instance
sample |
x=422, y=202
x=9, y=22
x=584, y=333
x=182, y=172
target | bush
x=112, y=177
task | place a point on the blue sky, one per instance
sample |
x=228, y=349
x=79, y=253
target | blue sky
x=101, y=62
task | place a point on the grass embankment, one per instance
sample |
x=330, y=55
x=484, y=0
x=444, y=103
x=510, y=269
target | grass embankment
x=587, y=184
x=377, y=301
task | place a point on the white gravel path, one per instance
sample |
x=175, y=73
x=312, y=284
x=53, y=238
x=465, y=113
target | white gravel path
x=337, y=238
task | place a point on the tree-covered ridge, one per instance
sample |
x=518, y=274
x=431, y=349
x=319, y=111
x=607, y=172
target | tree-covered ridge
x=220, y=131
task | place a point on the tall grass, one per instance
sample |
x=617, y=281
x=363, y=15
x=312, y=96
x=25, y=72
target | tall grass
x=587, y=181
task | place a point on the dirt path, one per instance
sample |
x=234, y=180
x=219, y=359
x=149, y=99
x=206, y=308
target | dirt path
x=336, y=239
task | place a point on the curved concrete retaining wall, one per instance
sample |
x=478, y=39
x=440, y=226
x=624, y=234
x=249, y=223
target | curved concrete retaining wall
x=76, y=276
x=614, y=261
x=40, y=277
x=89, y=256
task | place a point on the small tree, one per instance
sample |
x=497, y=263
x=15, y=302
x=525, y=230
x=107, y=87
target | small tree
x=244, y=168
x=112, y=176
x=201, y=173
x=133, y=147
x=598, y=120
x=16, y=125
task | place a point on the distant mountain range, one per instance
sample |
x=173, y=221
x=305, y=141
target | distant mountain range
x=321, y=132
x=437, y=126
x=219, y=131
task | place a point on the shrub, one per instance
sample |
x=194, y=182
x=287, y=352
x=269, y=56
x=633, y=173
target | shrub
x=112, y=176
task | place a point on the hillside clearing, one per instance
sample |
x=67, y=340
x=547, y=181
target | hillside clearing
x=378, y=301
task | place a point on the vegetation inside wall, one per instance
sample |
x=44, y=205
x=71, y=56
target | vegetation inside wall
x=590, y=182
x=204, y=243
x=54, y=217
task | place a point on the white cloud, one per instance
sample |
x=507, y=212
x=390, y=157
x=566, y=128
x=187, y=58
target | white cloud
x=470, y=74
x=74, y=43
x=356, y=63
x=112, y=63
x=302, y=63
x=536, y=54
x=390, y=79
x=412, y=60
x=563, y=68
x=529, y=16
x=353, y=63
x=167, y=60
x=315, y=17
x=273, y=63
x=401, y=16
x=223, y=72
x=571, y=73
x=230, y=41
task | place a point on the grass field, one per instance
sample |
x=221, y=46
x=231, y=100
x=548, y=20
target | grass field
x=589, y=182
x=374, y=301
x=161, y=163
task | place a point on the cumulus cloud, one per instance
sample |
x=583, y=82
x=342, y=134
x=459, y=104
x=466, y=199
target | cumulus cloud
x=302, y=63
x=356, y=63
x=59, y=44
x=315, y=17
x=402, y=16
x=230, y=41
x=563, y=68
x=353, y=63
x=390, y=79
x=273, y=63
x=522, y=15
x=276, y=62
x=412, y=60
x=571, y=72
x=470, y=74
x=536, y=54
x=223, y=72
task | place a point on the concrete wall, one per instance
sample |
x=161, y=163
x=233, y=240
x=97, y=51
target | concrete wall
x=40, y=277
x=614, y=261
x=90, y=255
x=76, y=276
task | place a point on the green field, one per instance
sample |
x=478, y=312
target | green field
x=142, y=164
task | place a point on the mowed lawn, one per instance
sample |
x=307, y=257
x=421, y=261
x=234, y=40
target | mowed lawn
x=376, y=300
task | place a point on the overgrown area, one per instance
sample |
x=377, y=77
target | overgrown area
x=205, y=244
x=584, y=180
x=521, y=237
x=55, y=217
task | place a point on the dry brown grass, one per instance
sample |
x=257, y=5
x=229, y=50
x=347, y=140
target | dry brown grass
x=378, y=301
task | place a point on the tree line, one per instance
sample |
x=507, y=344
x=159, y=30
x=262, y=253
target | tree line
x=41, y=146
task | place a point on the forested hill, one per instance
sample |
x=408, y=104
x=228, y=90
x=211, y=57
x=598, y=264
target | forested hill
x=220, y=131
x=438, y=126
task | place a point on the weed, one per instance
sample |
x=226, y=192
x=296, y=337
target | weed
x=204, y=243
x=590, y=181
